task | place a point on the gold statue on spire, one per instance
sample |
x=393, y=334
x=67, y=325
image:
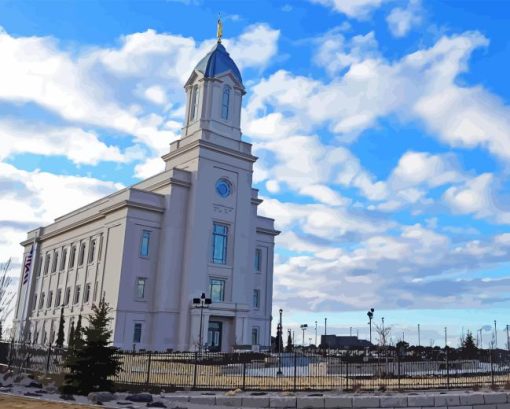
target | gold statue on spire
x=219, y=29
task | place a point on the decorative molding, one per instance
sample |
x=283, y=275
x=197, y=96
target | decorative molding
x=222, y=209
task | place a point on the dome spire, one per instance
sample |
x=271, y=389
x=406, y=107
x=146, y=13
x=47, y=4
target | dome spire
x=219, y=29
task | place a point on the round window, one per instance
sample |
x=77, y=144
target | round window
x=223, y=187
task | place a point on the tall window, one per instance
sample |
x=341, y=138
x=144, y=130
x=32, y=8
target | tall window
x=81, y=257
x=144, y=243
x=47, y=263
x=194, y=103
x=39, y=266
x=34, y=305
x=225, y=102
x=254, y=336
x=41, y=301
x=86, y=293
x=256, y=298
x=258, y=260
x=63, y=261
x=50, y=299
x=76, y=295
x=137, y=333
x=140, y=287
x=55, y=262
x=219, y=250
x=58, y=297
x=67, y=295
x=92, y=251
x=217, y=290
x=72, y=257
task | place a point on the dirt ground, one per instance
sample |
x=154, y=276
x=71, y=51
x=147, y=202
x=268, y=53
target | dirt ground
x=13, y=402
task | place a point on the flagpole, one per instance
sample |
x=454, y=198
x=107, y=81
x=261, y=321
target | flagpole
x=24, y=313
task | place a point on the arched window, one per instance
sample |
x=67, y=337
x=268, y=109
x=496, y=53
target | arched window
x=194, y=103
x=81, y=256
x=63, y=261
x=72, y=257
x=225, y=102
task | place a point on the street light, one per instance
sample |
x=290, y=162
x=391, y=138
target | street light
x=303, y=328
x=279, y=332
x=370, y=314
x=201, y=303
x=316, y=333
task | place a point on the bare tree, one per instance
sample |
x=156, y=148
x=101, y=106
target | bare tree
x=7, y=294
x=383, y=335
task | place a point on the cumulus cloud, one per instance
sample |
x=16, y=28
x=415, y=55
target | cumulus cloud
x=402, y=20
x=358, y=9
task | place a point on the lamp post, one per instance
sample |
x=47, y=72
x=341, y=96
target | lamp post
x=279, y=332
x=202, y=303
x=316, y=332
x=495, y=336
x=303, y=328
x=507, y=338
x=370, y=314
x=419, y=338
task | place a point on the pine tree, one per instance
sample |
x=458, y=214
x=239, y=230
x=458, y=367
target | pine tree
x=289, y=347
x=469, y=349
x=70, y=339
x=59, y=343
x=77, y=335
x=94, y=361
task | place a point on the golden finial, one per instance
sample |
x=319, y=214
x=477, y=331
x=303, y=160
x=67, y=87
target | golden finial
x=219, y=29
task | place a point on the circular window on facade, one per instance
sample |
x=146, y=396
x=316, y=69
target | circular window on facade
x=223, y=187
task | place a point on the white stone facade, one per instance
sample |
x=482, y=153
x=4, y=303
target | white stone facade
x=151, y=248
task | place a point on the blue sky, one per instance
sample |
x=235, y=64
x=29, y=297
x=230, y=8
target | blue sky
x=381, y=126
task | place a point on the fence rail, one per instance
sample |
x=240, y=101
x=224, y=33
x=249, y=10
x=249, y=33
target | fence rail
x=306, y=370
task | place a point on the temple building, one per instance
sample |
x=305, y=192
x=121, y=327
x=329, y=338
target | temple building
x=151, y=248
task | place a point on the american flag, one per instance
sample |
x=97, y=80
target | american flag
x=28, y=264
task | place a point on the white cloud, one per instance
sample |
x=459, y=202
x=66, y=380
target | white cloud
x=358, y=9
x=79, y=146
x=402, y=20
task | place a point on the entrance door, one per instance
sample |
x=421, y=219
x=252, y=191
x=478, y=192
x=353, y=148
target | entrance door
x=214, y=336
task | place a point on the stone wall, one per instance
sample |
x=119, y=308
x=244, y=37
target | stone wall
x=423, y=400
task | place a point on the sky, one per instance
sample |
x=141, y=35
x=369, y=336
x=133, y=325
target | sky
x=382, y=129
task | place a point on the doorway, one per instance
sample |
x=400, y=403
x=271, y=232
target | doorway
x=214, y=336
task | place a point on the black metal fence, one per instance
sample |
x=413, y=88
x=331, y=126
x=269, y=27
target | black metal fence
x=305, y=370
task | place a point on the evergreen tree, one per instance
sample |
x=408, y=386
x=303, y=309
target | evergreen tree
x=70, y=339
x=59, y=343
x=469, y=349
x=77, y=335
x=289, y=347
x=94, y=361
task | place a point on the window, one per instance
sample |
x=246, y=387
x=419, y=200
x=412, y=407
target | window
x=194, y=103
x=95, y=290
x=50, y=299
x=258, y=260
x=67, y=295
x=140, y=287
x=217, y=290
x=137, y=333
x=219, y=250
x=256, y=298
x=63, y=261
x=72, y=257
x=76, y=295
x=47, y=263
x=41, y=301
x=92, y=251
x=34, y=305
x=39, y=266
x=225, y=102
x=254, y=336
x=144, y=243
x=81, y=257
x=55, y=262
x=86, y=293
x=58, y=297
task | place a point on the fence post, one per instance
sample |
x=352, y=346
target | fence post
x=48, y=358
x=447, y=369
x=346, y=374
x=295, y=371
x=244, y=375
x=148, y=368
x=492, y=367
x=398, y=369
x=195, y=371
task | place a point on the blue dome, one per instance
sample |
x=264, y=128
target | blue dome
x=216, y=62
